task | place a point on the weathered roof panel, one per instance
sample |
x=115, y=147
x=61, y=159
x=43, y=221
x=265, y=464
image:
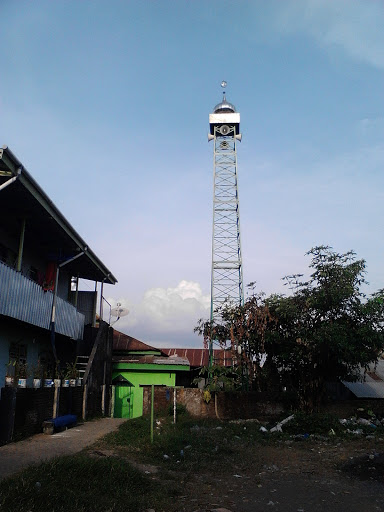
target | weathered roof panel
x=123, y=342
x=366, y=389
x=200, y=356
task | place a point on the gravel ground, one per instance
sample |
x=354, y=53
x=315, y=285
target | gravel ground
x=301, y=477
x=311, y=475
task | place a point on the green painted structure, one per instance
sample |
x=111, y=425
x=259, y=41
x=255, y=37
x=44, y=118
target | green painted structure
x=136, y=364
x=129, y=394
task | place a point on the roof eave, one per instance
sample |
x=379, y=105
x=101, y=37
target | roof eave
x=16, y=167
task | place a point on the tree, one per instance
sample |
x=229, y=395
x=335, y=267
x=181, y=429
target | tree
x=325, y=330
x=242, y=332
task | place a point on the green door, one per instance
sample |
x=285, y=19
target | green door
x=123, y=402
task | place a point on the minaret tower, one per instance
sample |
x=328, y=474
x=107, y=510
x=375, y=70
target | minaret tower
x=227, y=272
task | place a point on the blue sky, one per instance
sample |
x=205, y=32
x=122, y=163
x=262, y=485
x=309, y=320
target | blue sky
x=107, y=103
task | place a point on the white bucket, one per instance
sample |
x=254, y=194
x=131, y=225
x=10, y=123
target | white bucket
x=37, y=383
x=22, y=383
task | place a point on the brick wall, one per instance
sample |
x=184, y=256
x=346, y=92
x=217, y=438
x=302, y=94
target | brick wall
x=243, y=405
x=227, y=406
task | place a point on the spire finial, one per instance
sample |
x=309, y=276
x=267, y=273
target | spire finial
x=223, y=85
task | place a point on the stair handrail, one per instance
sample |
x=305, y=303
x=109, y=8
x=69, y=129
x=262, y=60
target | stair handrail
x=102, y=328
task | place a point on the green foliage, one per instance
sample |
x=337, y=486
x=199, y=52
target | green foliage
x=38, y=370
x=71, y=371
x=10, y=368
x=325, y=329
x=220, y=378
x=22, y=370
x=135, y=431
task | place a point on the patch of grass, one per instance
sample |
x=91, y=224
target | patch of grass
x=189, y=445
x=79, y=483
x=132, y=433
x=192, y=447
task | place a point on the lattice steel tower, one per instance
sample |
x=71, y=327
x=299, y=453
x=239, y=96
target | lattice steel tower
x=227, y=272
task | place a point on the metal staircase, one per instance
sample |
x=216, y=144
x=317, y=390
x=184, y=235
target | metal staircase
x=81, y=365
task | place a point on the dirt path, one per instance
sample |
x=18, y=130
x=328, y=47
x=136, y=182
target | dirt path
x=17, y=456
x=286, y=479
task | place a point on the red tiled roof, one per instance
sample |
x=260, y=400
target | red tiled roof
x=200, y=356
x=123, y=342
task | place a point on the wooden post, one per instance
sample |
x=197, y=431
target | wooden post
x=101, y=301
x=56, y=401
x=103, y=389
x=85, y=393
x=112, y=405
x=152, y=407
x=103, y=399
x=174, y=405
x=21, y=246
x=76, y=291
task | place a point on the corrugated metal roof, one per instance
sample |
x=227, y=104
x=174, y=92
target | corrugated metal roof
x=122, y=342
x=372, y=385
x=366, y=389
x=46, y=226
x=198, y=357
x=376, y=371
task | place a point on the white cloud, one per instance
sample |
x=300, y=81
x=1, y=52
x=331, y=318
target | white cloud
x=166, y=315
x=372, y=128
x=356, y=26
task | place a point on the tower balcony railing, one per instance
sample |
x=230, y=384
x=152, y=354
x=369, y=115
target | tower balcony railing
x=23, y=299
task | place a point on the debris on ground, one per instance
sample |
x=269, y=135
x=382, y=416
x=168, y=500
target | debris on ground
x=360, y=425
x=278, y=427
x=248, y=420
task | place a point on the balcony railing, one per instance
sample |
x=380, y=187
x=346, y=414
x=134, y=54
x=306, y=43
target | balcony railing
x=25, y=300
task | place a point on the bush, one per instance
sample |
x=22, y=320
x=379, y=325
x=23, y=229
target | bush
x=316, y=423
